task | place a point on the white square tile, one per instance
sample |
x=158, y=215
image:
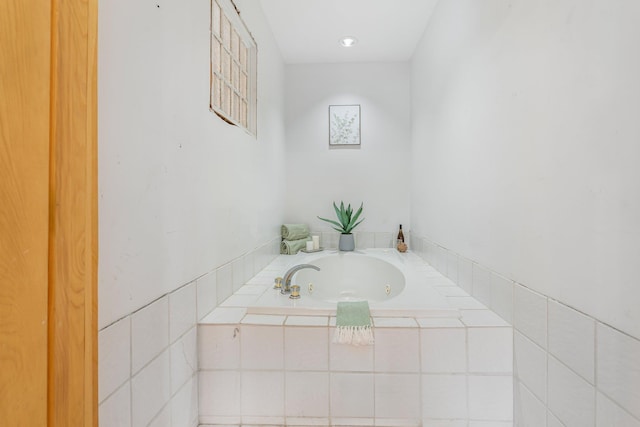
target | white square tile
x=444, y=396
x=364, y=240
x=530, y=365
x=261, y=347
x=306, y=349
x=149, y=333
x=465, y=274
x=352, y=422
x=307, y=394
x=440, y=261
x=237, y=271
x=307, y=421
x=218, y=347
x=252, y=290
x=491, y=397
x=394, y=322
x=452, y=291
x=224, y=282
x=611, y=415
x=502, y=297
x=263, y=319
x=570, y=397
x=491, y=424
x=553, y=421
x=206, y=291
x=439, y=323
x=262, y=394
x=443, y=350
x=225, y=316
x=397, y=396
x=182, y=311
x=397, y=422
x=468, y=303
x=352, y=395
x=452, y=266
x=619, y=368
x=397, y=350
x=490, y=350
x=114, y=348
x=239, y=301
x=249, y=272
x=163, y=419
x=529, y=410
x=219, y=393
x=184, y=405
x=261, y=421
x=349, y=357
x=571, y=339
x=481, y=284
x=479, y=318
x=530, y=314
x=384, y=240
x=150, y=390
x=184, y=360
x=116, y=410
x=444, y=423
x=307, y=321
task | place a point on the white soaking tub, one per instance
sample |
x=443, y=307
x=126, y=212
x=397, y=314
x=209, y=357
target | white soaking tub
x=394, y=284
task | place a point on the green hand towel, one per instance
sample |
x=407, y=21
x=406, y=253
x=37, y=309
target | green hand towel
x=294, y=231
x=291, y=247
x=353, y=323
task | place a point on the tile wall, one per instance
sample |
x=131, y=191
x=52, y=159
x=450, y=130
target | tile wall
x=570, y=369
x=276, y=370
x=148, y=359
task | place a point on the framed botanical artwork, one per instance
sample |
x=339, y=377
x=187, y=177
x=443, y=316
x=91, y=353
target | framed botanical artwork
x=344, y=125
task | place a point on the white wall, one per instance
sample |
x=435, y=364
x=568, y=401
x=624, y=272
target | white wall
x=181, y=192
x=525, y=146
x=376, y=173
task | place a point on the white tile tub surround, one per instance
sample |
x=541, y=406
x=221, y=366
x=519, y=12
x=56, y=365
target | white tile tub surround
x=417, y=373
x=149, y=359
x=570, y=369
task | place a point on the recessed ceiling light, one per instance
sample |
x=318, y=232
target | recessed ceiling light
x=348, y=41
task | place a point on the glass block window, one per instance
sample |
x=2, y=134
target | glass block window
x=233, y=67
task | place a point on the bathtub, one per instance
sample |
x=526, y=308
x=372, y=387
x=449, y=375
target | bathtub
x=394, y=284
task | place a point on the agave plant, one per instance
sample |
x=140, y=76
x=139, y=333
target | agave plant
x=347, y=221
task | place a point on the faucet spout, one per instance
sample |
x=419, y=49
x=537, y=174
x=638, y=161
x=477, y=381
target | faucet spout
x=286, y=285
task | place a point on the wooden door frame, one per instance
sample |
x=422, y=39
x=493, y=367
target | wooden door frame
x=73, y=216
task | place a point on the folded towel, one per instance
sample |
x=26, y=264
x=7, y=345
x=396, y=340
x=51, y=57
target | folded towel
x=353, y=323
x=291, y=247
x=294, y=231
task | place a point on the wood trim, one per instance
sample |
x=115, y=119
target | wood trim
x=72, y=377
x=24, y=174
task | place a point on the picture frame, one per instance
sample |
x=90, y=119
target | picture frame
x=344, y=125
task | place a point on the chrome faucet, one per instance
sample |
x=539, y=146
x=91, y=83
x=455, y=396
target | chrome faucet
x=286, y=285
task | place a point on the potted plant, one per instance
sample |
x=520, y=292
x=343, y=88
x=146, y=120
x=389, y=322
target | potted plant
x=347, y=221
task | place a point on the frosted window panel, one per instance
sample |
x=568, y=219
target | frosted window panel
x=235, y=76
x=243, y=85
x=243, y=114
x=226, y=32
x=215, y=19
x=226, y=99
x=235, y=46
x=226, y=66
x=215, y=61
x=215, y=92
x=243, y=57
x=236, y=107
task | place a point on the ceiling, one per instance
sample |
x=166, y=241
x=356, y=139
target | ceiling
x=309, y=31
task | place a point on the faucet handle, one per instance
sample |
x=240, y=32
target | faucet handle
x=277, y=283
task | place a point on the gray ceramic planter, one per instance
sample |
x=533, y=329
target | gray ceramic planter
x=346, y=242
